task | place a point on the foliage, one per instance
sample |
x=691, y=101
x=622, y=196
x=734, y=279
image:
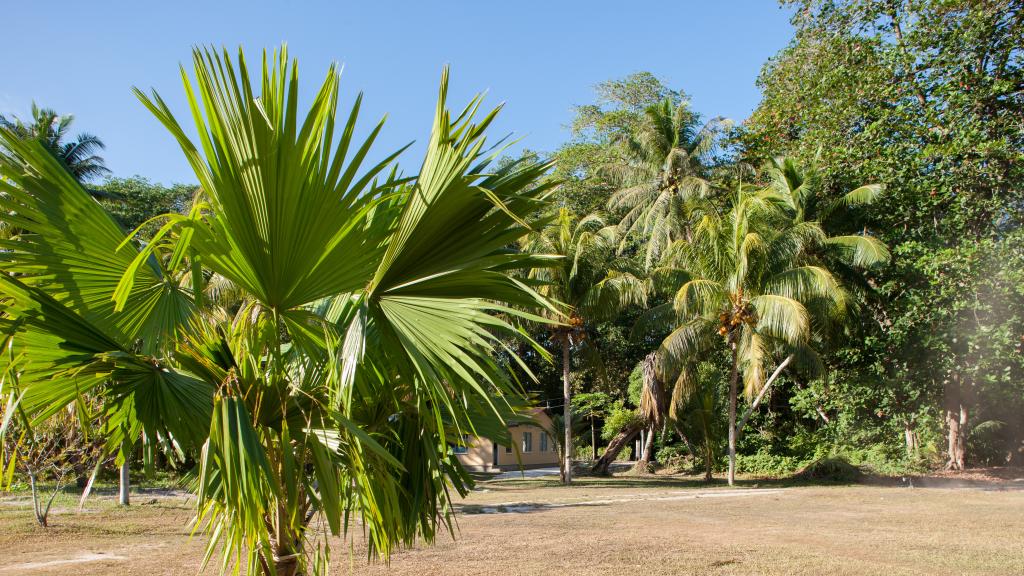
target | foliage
x=925, y=98
x=619, y=418
x=135, y=201
x=364, y=339
x=80, y=157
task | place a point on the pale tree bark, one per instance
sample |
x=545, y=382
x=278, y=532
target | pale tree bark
x=645, y=458
x=125, y=484
x=593, y=439
x=567, y=411
x=910, y=437
x=956, y=424
x=733, y=381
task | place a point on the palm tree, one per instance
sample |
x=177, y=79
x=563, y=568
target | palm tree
x=590, y=283
x=663, y=168
x=744, y=283
x=362, y=347
x=80, y=156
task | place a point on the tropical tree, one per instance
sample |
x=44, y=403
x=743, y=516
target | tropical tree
x=80, y=156
x=362, y=347
x=743, y=280
x=590, y=283
x=663, y=165
x=698, y=417
x=591, y=405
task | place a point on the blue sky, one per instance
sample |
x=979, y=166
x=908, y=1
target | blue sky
x=540, y=58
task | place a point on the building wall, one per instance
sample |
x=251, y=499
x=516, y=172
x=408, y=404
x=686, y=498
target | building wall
x=479, y=454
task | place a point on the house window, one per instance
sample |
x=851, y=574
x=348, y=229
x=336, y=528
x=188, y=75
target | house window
x=543, y=441
x=462, y=447
x=508, y=449
x=527, y=442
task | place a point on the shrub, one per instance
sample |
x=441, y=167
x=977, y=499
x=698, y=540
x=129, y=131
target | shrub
x=830, y=468
x=766, y=463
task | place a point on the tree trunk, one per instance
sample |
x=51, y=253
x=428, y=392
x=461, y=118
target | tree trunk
x=733, y=381
x=567, y=410
x=593, y=439
x=956, y=424
x=910, y=437
x=123, y=498
x=645, y=458
x=614, y=447
x=709, y=459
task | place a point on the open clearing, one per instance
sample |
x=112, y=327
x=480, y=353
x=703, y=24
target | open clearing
x=599, y=526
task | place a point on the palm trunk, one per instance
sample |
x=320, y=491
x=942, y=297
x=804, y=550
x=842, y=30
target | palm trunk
x=733, y=381
x=593, y=439
x=123, y=497
x=645, y=458
x=616, y=445
x=709, y=461
x=567, y=410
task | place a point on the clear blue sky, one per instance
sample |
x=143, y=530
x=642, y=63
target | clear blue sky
x=540, y=58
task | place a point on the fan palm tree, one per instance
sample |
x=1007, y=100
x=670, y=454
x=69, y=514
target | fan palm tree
x=590, y=283
x=663, y=168
x=80, y=156
x=361, y=348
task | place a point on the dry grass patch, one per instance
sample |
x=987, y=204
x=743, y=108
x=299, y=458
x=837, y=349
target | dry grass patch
x=620, y=526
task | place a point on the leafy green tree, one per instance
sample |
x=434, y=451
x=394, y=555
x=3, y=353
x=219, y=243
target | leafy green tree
x=135, y=201
x=80, y=156
x=925, y=98
x=618, y=110
x=590, y=283
x=591, y=405
x=365, y=340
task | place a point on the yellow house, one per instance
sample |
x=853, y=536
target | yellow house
x=534, y=445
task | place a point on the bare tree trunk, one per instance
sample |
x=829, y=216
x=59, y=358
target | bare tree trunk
x=123, y=498
x=733, y=381
x=593, y=439
x=956, y=423
x=567, y=410
x=614, y=447
x=645, y=458
x=910, y=437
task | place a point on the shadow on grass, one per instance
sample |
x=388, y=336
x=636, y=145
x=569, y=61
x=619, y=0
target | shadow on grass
x=655, y=481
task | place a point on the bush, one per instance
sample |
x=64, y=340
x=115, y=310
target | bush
x=618, y=419
x=625, y=454
x=767, y=464
x=670, y=455
x=830, y=468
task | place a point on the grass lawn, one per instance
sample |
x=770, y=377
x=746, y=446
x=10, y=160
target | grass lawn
x=625, y=525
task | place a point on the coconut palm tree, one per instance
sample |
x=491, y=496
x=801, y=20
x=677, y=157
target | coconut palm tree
x=360, y=347
x=80, y=156
x=663, y=168
x=590, y=283
x=744, y=283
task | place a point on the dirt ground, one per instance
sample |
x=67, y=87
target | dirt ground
x=620, y=526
